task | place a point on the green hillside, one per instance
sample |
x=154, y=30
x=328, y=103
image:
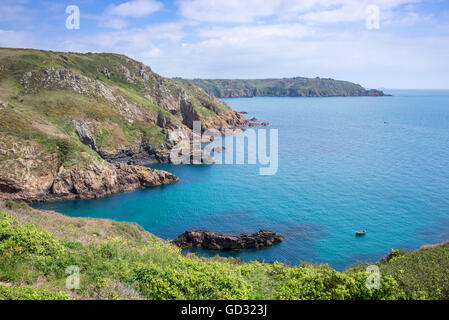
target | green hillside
x=119, y=260
x=70, y=123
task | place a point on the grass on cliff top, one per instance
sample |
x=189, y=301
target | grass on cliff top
x=57, y=107
x=122, y=261
x=18, y=126
x=204, y=104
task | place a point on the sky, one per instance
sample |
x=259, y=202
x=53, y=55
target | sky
x=376, y=43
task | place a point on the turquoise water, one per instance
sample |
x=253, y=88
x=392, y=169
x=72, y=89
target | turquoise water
x=341, y=169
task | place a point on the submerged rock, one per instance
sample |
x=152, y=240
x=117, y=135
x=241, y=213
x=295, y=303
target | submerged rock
x=216, y=241
x=252, y=124
x=219, y=149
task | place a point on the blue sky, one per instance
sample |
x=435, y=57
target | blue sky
x=250, y=38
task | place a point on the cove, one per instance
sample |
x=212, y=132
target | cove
x=378, y=164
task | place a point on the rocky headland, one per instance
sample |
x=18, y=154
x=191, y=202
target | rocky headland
x=216, y=241
x=83, y=125
x=284, y=87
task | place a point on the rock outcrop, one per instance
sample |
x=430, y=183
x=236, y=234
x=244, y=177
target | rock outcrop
x=92, y=181
x=434, y=246
x=215, y=241
x=3, y=105
x=263, y=124
x=80, y=125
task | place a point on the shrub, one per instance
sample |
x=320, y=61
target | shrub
x=191, y=278
x=28, y=293
x=324, y=283
x=18, y=239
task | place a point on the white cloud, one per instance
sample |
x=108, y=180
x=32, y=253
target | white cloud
x=136, y=42
x=13, y=12
x=324, y=11
x=227, y=11
x=353, y=10
x=134, y=8
x=113, y=23
x=245, y=35
x=16, y=39
x=278, y=38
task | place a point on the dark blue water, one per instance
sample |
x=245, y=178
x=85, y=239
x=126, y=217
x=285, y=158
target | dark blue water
x=341, y=169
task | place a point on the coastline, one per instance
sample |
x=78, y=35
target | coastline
x=142, y=266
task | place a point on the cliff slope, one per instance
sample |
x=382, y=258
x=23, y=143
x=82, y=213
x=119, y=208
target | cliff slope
x=119, y=260
x=78, y=125
x=286, y=87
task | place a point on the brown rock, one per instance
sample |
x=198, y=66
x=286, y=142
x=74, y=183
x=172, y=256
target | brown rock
x=216, y=241
x=264, y=124
x=92, y=181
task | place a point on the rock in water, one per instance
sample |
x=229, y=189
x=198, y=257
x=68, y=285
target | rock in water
x=253, y=124
x=215, y=241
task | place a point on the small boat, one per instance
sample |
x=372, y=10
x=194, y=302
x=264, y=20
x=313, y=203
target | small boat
x=360, y=233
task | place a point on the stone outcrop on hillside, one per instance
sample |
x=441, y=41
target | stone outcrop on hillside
x=216, y=241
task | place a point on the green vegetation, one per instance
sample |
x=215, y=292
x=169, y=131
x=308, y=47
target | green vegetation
x=121, y=261
x=28, y=293
x=65, y=113
x=286, y=87
x=422, y=274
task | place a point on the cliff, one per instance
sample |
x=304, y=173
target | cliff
x=285, y=87
x=80, y=125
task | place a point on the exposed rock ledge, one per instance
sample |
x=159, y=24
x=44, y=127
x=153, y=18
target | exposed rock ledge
x=215, y=241
x=93, y=181
x=434, y=246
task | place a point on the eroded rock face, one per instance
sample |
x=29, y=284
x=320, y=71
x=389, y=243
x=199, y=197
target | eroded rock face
x=26, y=170
x=3, y=105
x=85, y=132
x=170, y=97
x=215, y=241
x=64, y=79
x=100, y=179
x=89, y=139
x=95, y=180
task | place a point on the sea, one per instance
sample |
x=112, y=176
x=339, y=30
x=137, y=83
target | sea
x=379, y=164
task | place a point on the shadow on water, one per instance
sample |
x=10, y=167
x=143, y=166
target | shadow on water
x=437, y=232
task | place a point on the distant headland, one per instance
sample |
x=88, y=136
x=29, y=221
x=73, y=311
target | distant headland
x=284, y=87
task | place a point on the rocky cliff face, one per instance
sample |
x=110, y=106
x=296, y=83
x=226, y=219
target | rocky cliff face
x=79, y=125
x=31, y=174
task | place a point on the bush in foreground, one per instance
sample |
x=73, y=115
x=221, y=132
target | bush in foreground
x=136, y=265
